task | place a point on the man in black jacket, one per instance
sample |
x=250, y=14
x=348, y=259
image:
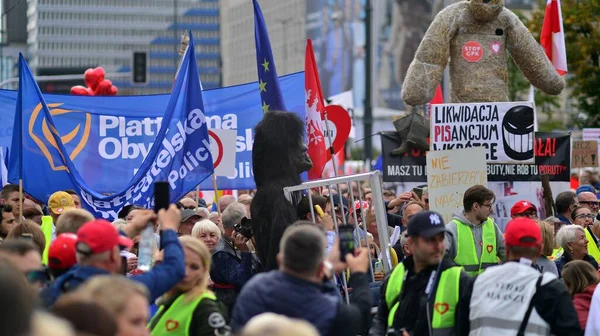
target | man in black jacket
x=410, y=300
x=297, y=289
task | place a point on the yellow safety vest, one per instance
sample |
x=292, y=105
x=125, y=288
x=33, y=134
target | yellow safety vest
x=446, y=298
x=466, y=253
x=177, y=319
x=592, y=247
x=47, y=226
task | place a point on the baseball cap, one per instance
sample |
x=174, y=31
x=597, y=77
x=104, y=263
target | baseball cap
x=60, y=202
x=187, y=214
x=585, y=188
x=426, y=224
x=336, y=202
x=61, y=253
x=521, y=207
x=523, y=232
x=359, y=203
x=99, y=236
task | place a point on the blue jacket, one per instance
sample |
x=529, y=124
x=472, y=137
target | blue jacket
x=283, y=294
x=160, y=279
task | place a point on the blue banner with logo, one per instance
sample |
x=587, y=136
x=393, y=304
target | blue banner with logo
x=180, y=153
x=121, y=130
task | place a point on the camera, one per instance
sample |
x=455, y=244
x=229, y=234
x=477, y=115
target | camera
x=244, y=227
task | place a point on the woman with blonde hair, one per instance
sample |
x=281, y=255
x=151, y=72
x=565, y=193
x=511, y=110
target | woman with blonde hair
x=574, y=243
x=125, y=299
x=190, y=305
x=581, y=280
x=544, y=263
x=208, y=232
x=269, y=324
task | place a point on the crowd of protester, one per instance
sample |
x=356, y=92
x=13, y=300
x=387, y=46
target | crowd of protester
x=65, y=272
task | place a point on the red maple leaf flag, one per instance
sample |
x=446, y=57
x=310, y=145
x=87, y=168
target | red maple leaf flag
x=314, y=108
x=553, y=36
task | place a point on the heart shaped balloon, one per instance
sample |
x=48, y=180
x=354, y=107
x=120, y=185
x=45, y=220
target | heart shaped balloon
x=93, y=77
x=105, y=88
x=339, y=127
x=81, y=91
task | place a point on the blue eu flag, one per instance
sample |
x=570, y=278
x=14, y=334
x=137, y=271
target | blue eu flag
x=268, y=83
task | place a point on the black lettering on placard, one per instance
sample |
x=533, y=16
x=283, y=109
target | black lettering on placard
x=466, y=114
x=491, y=154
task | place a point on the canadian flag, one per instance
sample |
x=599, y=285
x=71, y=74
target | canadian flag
x=315, y=106
x=553, y=36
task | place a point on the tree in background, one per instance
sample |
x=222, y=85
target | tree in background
x=581, y=19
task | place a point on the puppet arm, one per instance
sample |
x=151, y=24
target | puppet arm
x=531, y=59
x=426, y=70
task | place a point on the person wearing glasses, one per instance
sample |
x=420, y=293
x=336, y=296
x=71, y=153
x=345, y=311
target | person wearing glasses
x=590, y=201
x=523, y=209
x=473, y=240
x=584, y=217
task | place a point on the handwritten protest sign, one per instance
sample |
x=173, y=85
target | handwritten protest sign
x=450, y=173
x=506, y=130
x=585, y=154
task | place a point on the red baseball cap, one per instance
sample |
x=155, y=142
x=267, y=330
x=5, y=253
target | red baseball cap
x=521, y=207
x=61, y=253
x=523, y=232
x=99, y=236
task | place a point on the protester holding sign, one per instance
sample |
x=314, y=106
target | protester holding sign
x=472, y=230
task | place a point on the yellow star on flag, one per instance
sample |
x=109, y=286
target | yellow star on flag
x=266, y=65
x=262, y=86
x=265, y=107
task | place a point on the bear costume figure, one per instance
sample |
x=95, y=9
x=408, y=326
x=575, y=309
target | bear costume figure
x=279, y=156
x=476, y=37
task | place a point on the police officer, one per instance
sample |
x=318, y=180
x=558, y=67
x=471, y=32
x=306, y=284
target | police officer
x=473, y=240
x=514, y=298
x=421, y=294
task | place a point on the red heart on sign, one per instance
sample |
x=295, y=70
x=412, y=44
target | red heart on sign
x=442, y=308
x=489, y=248
x=340, y=118
x=171, y=325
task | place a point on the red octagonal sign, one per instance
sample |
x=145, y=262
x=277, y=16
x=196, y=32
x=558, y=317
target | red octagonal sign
x=472, y=51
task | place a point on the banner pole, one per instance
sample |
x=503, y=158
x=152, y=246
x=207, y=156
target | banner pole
x=214, y=180
x=197, y=198
x=20, y=201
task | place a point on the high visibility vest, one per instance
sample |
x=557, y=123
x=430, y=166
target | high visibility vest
x=177, y=319
x=446, y=298
x=501, y=297
x=592, y=247
x=46, y=227
x=556, y=253
x=466, y=253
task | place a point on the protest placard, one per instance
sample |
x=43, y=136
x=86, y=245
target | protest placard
x=506, y=130
x=585, y=154
x=552, y=158
x=450, y=173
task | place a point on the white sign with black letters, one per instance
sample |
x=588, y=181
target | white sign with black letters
x=506, y=130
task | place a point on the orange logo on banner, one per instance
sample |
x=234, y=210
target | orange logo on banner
x=472, y=51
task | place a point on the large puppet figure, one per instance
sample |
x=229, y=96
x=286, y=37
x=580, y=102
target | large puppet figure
x=475, y=37
x=279, y=156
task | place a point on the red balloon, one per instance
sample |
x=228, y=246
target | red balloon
x=93, y=77
x=80, y=91
x=97, y=85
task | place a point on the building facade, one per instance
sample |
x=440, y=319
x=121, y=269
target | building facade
x=69, y=36
x=285, y=22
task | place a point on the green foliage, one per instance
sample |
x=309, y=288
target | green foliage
x=581, y=19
